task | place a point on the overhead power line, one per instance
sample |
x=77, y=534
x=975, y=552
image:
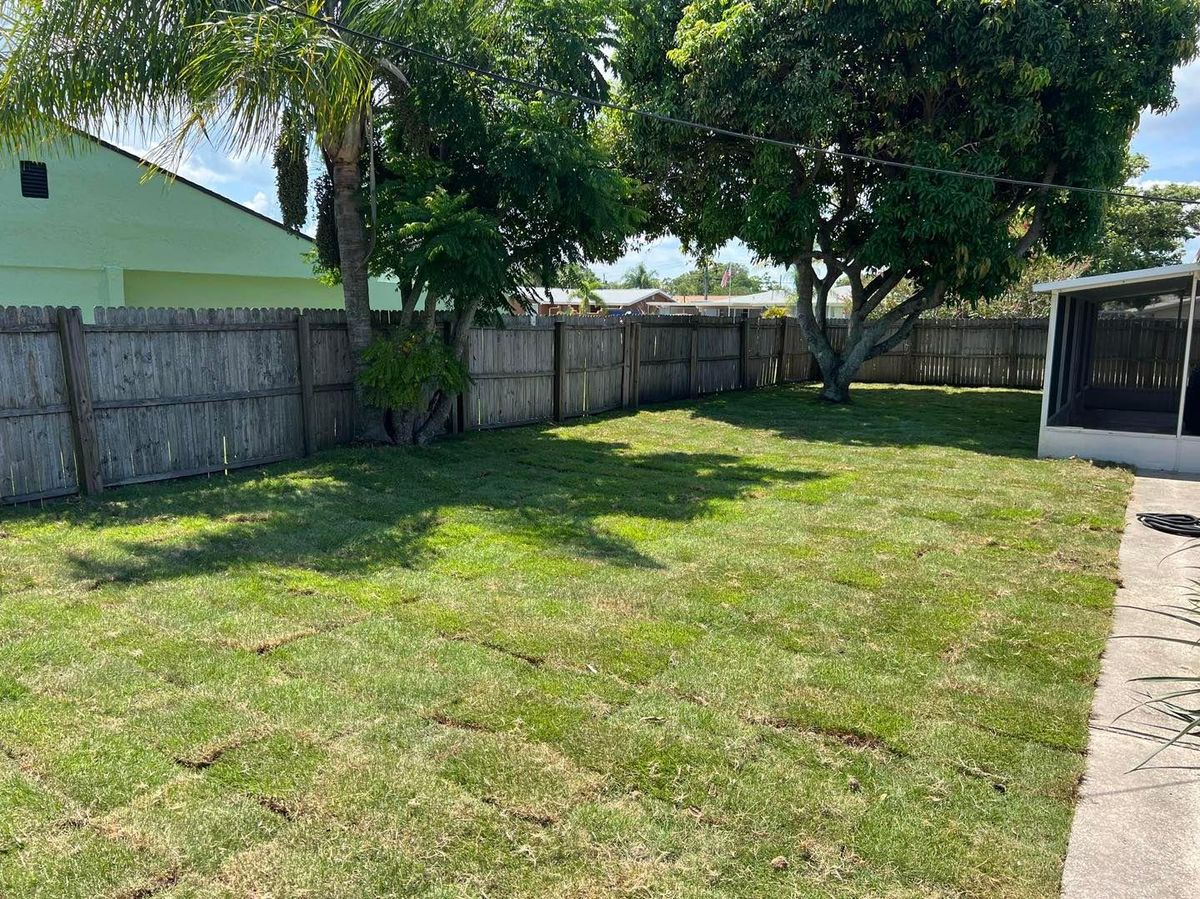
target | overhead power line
x=716, y=130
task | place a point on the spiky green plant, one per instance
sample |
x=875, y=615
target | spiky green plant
x=1181, y=701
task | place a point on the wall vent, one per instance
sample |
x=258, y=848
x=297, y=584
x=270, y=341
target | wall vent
x=34, y=181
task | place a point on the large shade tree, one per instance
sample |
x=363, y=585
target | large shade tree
x=1137, y=233
x=1045, y=91
x=485, y=189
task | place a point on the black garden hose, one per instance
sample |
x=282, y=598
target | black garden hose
x=1177, y=525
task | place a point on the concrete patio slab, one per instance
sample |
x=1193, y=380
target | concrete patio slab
x=1137, y=834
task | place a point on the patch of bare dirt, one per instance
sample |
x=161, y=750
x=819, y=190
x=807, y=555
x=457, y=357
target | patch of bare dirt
x=847, y=738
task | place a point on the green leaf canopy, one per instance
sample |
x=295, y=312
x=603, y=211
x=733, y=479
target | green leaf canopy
x=1036, y=90
x=485, y=187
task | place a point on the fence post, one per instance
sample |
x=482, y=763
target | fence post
x=635, y=367
x=781, y=373
x=694, y=361
x=1014, y=351
x=560, y=370
x=626, y=359
x=910, y=356
x=958, y=355
x=744, y=353
x=79, y=396
x=308, y=419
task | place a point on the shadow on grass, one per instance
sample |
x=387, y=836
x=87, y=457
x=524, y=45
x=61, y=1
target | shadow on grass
x=350, y=512
x=991, y=422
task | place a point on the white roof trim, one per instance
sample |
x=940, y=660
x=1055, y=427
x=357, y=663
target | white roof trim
x=1118, y=279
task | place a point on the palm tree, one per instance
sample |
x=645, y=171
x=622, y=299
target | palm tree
x=243, y=74
x=641, y=278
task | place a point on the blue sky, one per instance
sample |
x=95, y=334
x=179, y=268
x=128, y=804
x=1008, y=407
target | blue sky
x=1166, y=140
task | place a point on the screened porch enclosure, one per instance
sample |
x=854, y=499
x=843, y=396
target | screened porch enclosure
x=1121, y=349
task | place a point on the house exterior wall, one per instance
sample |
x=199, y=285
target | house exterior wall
x=187, y=290
x=106, y=238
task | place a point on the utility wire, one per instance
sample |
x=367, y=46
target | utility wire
x=716, y=130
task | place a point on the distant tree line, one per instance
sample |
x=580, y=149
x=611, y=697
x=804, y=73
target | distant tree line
x=704, y=278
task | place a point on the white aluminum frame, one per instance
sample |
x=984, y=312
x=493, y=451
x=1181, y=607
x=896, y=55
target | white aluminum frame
x=1154, y=452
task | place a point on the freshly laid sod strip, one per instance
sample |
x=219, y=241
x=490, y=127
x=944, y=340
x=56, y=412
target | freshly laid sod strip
x=750, y=646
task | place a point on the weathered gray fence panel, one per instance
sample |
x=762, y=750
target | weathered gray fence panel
x=763, y=353
x=178, y=393
x=37, y=453
x=333, y=379
x=797, y=360
x=594, y=356
x=967, y=353
x=665, y=360
x=719, y=357
x=512, y=372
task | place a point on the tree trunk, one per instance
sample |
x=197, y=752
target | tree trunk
x=835, y=387
x=839, y=368
x=421, y=428
x=345, y=170
x=864, y=341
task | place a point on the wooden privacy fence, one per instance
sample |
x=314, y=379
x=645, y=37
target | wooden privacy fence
x=148, y=394
x=556, y=369
x=151, y=394
x=962, y=353
x=1129, y=353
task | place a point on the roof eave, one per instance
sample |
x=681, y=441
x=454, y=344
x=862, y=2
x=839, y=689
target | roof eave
x=1118, y=279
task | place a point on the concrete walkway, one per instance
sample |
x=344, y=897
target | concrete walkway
x=1138, y=834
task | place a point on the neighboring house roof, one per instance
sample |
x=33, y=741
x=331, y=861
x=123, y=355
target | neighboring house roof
x=614, y=299
x=1173, y=305
x=766, y=299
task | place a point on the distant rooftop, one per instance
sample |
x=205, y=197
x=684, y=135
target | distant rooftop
x=766, y=298
x=562, y=296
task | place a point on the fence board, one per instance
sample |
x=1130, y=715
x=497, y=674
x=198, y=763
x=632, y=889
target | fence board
x=37, y=452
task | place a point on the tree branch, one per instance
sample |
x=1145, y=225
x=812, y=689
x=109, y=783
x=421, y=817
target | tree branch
x=1034, y=232
x=394, y=70
x=814, y=334
x=880, y=287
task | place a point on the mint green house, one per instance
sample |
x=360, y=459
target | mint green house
x=81, y=228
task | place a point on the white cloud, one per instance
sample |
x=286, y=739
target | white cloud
x=261, y=203
x=1152, y=184
x=197, y=171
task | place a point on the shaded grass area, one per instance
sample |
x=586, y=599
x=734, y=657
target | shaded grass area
x=648, y=655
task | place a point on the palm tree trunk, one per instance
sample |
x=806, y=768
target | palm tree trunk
x=345, y=164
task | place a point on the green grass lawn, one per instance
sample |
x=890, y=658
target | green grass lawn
x=647, y=655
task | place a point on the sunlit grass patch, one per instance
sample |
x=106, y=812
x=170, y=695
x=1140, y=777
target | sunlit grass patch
x=653, y=654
